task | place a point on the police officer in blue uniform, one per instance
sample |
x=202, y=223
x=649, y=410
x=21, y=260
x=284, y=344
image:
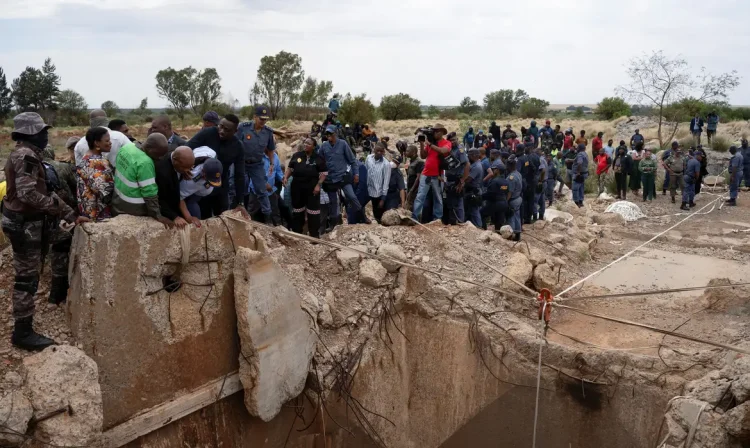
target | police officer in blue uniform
x=691, y=176
x=256, y=137
x=580, y=173
x=735, y=174
x=515, y=186
x=496, y=196
x=455, y=181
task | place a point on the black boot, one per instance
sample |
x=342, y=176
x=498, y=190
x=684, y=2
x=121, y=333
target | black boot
x=684, y=206
x=691, y=204
x=58, y=290
x=673, y=201
x=731, y=202
x=26, y=338
x=517, y=237
x=664, y=192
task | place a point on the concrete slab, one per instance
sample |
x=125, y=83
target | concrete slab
x=275, y=337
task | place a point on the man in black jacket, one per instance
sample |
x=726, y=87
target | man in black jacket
x=229, y=151
x=169, y=171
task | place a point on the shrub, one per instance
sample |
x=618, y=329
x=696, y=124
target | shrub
x=612, y=107
x=720, y=144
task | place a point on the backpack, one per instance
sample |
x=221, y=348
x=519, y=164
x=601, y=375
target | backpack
x=51, y=178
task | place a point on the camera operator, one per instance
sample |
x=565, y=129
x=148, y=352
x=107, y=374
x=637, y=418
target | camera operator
x=432, y=153
x=455, y=181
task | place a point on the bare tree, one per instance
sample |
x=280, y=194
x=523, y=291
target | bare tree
x=659, y=81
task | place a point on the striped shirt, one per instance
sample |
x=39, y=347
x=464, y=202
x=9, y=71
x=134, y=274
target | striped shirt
x=378, y=176
x=135, y=179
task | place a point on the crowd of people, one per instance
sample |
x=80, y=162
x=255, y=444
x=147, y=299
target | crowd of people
x=495, y=180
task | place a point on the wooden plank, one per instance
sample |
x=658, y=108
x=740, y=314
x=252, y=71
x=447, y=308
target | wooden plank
x=165, y=413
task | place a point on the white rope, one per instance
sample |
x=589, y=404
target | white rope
x=539, y=377
x=593, y=274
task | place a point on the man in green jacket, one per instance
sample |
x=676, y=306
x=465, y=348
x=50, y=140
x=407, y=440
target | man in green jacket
x=647, y=168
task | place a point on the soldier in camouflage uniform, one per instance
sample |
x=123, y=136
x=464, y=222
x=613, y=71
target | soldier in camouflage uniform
x=66, y=188
x=27, y=205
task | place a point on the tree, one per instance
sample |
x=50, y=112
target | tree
x=660, y=81
x=356, y=109
x=314, y=94
x=578, y=112
x=433, y=111
x=504, y=102
x=323, y=92
x=6, y=100
x=468, y=106
x=50, y=86
x=72, y=108
x=205, y=89
x=110, y=108
x=532, y=108
x=175, y=86
x=26, y=90
x=612, y=107
x=399, y=107
x=278, y=80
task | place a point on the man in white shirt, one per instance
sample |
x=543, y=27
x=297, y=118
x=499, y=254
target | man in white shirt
x=378, y=178
x=99, y=118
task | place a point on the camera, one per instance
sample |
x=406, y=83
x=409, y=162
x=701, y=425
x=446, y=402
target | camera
x=426, y=134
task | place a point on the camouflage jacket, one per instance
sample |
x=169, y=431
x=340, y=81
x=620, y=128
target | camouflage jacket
x=27, y=190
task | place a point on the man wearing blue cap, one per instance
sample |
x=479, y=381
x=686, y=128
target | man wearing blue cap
x=473, y=189
x=691, y=177
x=580, y=173
x=206, y=174
x=515, y=188
x=210, y=119
x=343, y=172
x=256, y=137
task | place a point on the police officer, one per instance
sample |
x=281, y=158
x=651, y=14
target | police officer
x=691, y=177
x=515, y=186
x=745, y=150
x=553, y=173
x=580, y=173
x=667, y=178
x=704, y=168
x=541, y=183
x=256, y=137
x=496, y=196
x=27, y=206
x=530, y=171
x=735, y=174
x=455, y=181
x=473, y=188
x=675, y=167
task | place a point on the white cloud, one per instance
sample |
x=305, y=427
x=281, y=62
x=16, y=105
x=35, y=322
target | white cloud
x=437, y=50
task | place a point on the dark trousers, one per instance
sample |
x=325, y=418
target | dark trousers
x=26, y=239
x=528, y=201
x=497, y=211
x=665, y=185
x=377, y=210
x=215, y=203
x=621, y=179
x=305, y=204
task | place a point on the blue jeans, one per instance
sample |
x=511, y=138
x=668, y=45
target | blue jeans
x=688, y=193
x=540, y=205
x=474, y=212
x=515, y=218
x=256, y=172
x=578, y=191
x=427, y=184
x=351, y=199
x=192, y=205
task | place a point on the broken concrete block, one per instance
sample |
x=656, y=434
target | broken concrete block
x=61, y=377
x=506, y=232
x=348, y=259
x=545, y=277
x=737, y=422
x=391, y=251
x=371, y=272
x=519, y=268
x=276, y=343
x=15, y=413
x=710, y=388
x=608, y=219
x=741, y=388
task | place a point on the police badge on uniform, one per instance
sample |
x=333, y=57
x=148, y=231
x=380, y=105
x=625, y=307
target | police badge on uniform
x=299, y=160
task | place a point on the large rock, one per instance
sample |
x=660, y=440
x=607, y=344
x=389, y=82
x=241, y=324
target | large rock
x=714, y=181
x=519, y=268
x=348, y=259
x=64, y=377
x=608, y=218
x=558, y=216
x=276, y=343
x=738, y=422
x=15, y=413
x=741, y=388
x=545, y=277
x=391, y=251
x=371, y=272
x=396, y=217
x=506, y=232
x=710, y=388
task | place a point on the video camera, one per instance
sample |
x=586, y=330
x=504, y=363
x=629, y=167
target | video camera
x=426, y=134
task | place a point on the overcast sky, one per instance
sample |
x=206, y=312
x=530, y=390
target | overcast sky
x=564, y=51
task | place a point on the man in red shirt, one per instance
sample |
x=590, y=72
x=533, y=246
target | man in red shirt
x=596, y=144
x=430, y=178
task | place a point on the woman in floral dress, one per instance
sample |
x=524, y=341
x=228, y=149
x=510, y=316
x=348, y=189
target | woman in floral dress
x=95, y=177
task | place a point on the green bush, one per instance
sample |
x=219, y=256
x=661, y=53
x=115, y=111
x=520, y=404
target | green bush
x=720, y=144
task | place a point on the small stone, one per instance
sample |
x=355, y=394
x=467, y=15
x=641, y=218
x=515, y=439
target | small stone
x=506, y=232
x=374, y=240
x=371, y=272
x=347, y=259
x=425, y=259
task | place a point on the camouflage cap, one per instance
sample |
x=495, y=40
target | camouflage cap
x=29, y=123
